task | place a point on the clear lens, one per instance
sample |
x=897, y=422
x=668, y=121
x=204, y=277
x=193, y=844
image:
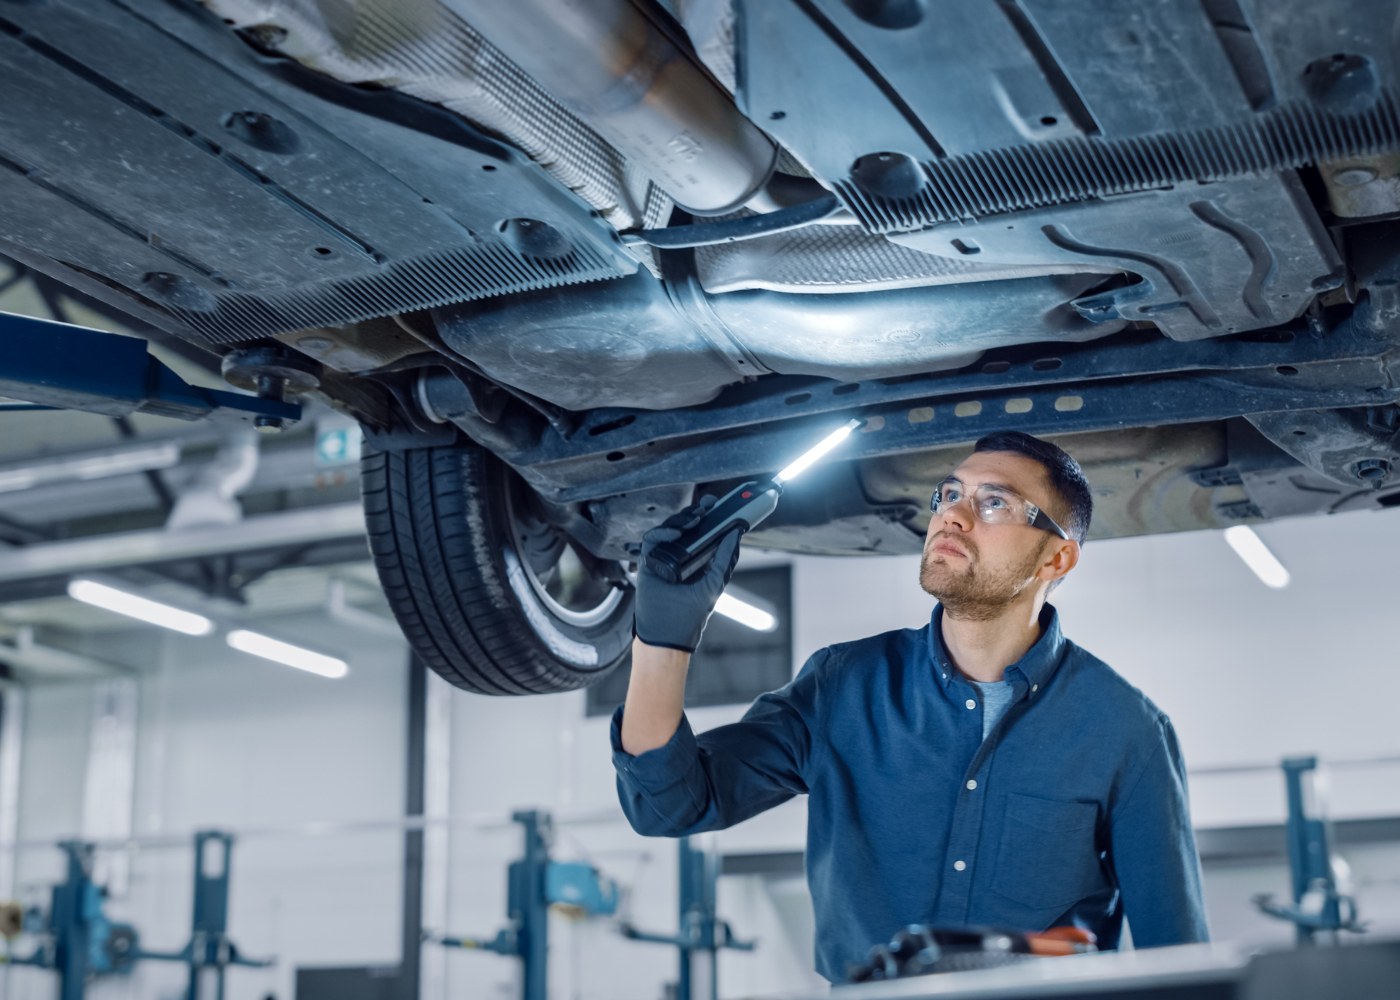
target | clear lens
x=992, y=505
x=945, y=495
x=996, y=507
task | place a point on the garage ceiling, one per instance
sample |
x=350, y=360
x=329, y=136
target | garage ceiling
x=54, y=489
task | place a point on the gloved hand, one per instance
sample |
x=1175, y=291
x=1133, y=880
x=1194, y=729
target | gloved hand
x=673, y=615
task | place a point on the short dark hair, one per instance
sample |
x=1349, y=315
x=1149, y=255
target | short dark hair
x=1065, y=475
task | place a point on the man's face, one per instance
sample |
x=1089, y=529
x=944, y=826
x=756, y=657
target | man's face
x=976, y=569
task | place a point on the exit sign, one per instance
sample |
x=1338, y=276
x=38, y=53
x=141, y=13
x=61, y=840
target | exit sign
x=340, y=446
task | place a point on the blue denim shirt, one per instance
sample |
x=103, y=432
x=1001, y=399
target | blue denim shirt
x=1073, y=810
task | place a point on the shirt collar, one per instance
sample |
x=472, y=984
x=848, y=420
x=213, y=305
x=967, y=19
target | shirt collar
x=1033, y=670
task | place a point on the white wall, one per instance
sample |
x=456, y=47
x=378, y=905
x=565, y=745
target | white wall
x=233, y=742
x=1248, y=674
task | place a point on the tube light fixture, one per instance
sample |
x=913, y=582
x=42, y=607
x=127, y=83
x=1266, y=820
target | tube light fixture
x=1256, y=555
x=89, y=465
x=285, y=653
x=807, y=458
x=142, y=608
x=745, y=613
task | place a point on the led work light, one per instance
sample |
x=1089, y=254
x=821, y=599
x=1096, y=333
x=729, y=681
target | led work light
x=743, y=507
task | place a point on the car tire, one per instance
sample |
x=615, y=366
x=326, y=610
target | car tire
x=492, y=598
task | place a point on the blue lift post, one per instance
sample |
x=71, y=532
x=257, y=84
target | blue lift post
x=1317, y=905
x=209, y=945
x=534, y=884
x=701, y=930
x=77, y=909
x=74, y=368
x=528, y=905
x=81, y=943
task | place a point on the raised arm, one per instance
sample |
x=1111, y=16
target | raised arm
x=670, y=619
x=691, y=784
x=655, y=697
x=670, y=783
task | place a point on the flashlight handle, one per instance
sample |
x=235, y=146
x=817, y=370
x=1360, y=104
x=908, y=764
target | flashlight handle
x=743, y=507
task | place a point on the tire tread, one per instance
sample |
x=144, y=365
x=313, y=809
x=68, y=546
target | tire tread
x=435, y=522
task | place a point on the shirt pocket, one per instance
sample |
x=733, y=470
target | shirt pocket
x=1048, y=858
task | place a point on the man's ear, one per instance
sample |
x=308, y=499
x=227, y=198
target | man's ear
x=1062, y=556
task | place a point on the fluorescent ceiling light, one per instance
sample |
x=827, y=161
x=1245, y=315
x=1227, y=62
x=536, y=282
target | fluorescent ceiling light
x=745, y=613
x=285, y=653
x=825, y=445
x=1256, y=555
x=142, y=608
x=91, y=465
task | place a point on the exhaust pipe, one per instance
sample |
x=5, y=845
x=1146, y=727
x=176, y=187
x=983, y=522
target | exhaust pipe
x=604, y=60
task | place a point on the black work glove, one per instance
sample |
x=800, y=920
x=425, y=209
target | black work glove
x=673, y=615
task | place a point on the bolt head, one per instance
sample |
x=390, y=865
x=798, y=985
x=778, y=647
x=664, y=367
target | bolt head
x=1354, y=176
x=269, y=425
x=269, y=35
x=1372, y=470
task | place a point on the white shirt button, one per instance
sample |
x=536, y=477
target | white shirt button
x=959, y=866
x=971, y=703
x=971, y=784
x=1035, y=688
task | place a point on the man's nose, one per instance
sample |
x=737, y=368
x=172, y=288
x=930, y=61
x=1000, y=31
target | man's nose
x=958, y=513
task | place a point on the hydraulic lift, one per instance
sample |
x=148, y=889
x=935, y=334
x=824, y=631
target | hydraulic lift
x=535, y=884
x=68, y=367
x=702, y=934
x=1318, y=907
x=81, y=943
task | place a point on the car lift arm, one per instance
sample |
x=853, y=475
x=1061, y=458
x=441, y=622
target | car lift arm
x=76, y=368
x=702, y=933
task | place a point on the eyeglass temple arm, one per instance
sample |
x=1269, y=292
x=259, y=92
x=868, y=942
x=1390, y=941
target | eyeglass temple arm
x=1042, y=520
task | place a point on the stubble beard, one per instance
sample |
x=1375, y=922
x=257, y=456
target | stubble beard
x=975, y=593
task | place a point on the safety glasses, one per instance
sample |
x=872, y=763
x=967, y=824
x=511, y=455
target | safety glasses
x=995, y=505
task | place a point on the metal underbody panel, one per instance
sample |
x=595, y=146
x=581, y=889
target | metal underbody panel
x=422, y=49
x=1056, y=218
x=242, y=216
x=656, y=347
x=1212, y=258
x=1153, y=419
x=968, y=76
x=837, y=259
x=1085, y=387
x=161, y=154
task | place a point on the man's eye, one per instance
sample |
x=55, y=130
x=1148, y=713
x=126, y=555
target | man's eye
x=949, y=494
x=995, y=502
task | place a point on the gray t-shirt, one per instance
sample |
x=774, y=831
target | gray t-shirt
x=996, y=696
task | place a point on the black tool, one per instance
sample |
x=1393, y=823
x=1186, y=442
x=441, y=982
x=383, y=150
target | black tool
x=742, y=507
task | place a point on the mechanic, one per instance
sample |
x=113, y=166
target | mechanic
x=981, y=770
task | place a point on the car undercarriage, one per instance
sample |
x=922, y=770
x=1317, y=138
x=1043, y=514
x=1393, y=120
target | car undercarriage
x=572, y=265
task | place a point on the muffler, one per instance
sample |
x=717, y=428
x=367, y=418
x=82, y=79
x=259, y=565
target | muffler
x=608, y=63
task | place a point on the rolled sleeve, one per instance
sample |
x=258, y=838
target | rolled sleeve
x=657, y=789
x=690, y=785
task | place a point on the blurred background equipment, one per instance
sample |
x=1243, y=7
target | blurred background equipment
x=537, y=883
x=702, y=935
x=1319, y=908
x=77, y=940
